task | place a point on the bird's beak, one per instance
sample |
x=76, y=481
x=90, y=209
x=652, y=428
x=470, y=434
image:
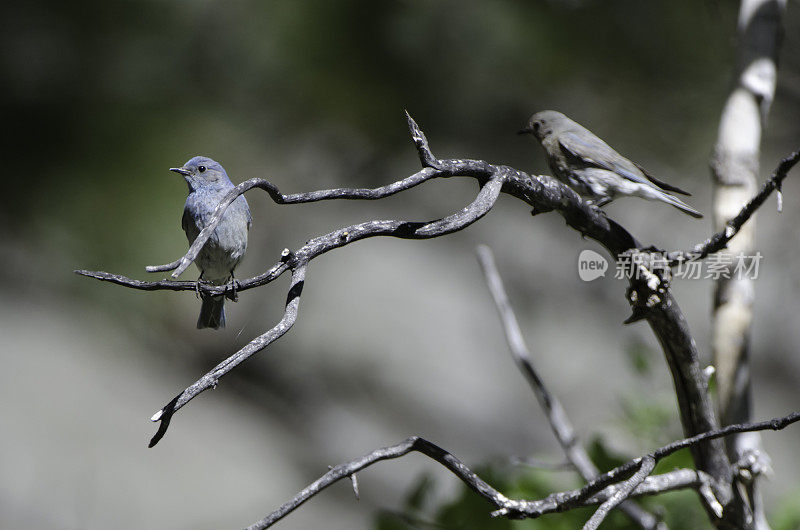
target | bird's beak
x=183, y=171
x=525, y=130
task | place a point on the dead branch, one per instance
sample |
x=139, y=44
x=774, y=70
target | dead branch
x=650, y=300
x=599, y=491
x=556, y=415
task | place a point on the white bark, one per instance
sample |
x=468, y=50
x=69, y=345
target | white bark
x=735, y=168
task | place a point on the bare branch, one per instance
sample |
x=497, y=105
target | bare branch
x=619, y=496
x=568, y=500
x=720, y=240
x=315, y=247
x=556, y=415
x=673, y=480
x=697, y=413
x=343, y=193
x=775, y=424
x=210, y=379
x=543, y=193
x=629, y=468
x=361, y=193
x=321, y=244
x=596, y=492
x=163, y=285
x=734, y=168
x=406, y=446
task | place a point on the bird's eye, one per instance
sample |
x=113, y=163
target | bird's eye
x=536, y=127
x=201, y=168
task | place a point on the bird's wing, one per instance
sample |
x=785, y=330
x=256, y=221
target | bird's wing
x=594, y=152
x=603, y=156
x=185, y=220
x=189, y=225
x=660, y=183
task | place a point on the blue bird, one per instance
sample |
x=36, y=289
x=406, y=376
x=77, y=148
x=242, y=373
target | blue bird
x=208, y=183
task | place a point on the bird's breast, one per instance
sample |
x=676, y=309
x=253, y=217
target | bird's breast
x=227, y=243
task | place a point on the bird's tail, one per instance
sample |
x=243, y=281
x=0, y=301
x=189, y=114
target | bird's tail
x=212, y=312
x=680, y=205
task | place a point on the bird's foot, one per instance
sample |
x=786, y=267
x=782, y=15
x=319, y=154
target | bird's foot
x=231, y=294
x=200, y=281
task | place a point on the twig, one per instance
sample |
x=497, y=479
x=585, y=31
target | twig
x=279, y=268
x=210, y=379
x=343, y=193
x=556, y=415
x=321, y=244
x=734, y=168
x=354, y=483
x=682, y=479
x=543, y=193
x=720, y=240
x=670, y=481
x=315, y=247
x=413, y=443
x=559, y=422
x=629, y=468
x=619, y=496
x=775, y=424
x=596, y=492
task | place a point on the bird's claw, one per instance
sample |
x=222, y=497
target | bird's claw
x=200, y=281
x=231, y=294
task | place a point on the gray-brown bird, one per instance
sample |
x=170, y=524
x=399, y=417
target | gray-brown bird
x=592, y=168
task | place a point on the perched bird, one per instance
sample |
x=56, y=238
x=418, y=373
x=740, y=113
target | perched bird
x=208, y=184
x=592, y=168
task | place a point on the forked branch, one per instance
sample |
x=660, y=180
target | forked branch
x=719, y=241
x=542, y=193
x=628, y=480
x=298, y=261
x=556, y=415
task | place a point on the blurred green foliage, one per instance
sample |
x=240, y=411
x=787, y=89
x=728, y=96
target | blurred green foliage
x=644, y=417
x=648, y=421
x=103, y=96
x=787, y=515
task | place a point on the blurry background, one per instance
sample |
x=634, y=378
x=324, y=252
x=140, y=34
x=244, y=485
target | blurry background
x=394, y=337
